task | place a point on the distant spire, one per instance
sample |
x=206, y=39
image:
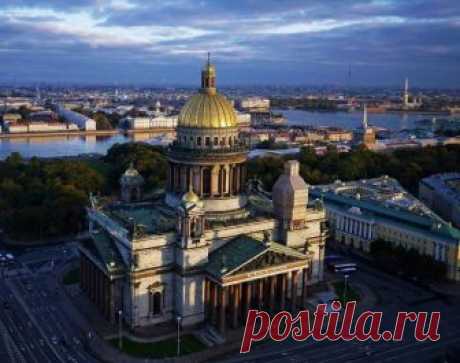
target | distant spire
x=406, y=92
x=209, y=59
x=365, y=125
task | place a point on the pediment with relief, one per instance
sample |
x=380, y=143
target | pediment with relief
x=267, y=260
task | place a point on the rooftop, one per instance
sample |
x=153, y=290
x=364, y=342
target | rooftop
x=384, y=197
x=104, y=249
x=446, y=183
x=242, y=250
x=149, y=217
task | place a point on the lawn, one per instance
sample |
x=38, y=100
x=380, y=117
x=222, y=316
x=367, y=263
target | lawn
x=72, y=277
x=163, y=349
x=352, y=295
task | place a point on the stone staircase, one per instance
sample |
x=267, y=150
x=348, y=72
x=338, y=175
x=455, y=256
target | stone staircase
x=210, y=336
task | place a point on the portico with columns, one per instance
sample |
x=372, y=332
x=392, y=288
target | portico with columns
x=250, y=274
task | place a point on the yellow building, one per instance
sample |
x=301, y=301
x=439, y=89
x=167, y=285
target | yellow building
x=363, y=211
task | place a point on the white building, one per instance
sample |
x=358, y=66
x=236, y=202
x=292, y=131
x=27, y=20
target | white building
x=83, y=122
x=39, y=127
x=255, y=103
x=157, y=122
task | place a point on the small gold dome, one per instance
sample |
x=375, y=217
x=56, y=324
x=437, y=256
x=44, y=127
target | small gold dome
x=207, y=110
x=190, y=197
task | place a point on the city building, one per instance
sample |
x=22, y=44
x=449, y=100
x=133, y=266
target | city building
x=252, y=104
x=83, y=122
x=43, y=116
x=11, y=117
x=441, y=192
x=155, y=122
x=213, y=244
x=38, y=126
x=337, y=135
x=365, y=135
x=360, y=212
x=243, y=119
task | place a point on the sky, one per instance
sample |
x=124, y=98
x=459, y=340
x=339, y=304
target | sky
x=252, y=42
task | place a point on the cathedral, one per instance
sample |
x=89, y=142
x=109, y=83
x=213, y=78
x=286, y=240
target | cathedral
x=212, y=244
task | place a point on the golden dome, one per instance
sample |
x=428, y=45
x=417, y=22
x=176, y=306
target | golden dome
x=190, y=197
x=207, y=110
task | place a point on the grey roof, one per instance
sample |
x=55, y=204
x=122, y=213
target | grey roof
x=445, y=184
x=103, y=248
x=241, y=250
x=150, y=217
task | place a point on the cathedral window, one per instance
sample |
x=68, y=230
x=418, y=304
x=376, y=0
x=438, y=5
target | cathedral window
x=155, y=302
x=206, y=181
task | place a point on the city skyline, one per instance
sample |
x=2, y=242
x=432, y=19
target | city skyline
x=356, y=43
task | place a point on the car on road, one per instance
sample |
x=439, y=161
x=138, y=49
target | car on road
x=339, y=264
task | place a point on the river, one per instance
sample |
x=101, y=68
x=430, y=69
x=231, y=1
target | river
x=54, y=146
x=350, y=120
x=71, y=145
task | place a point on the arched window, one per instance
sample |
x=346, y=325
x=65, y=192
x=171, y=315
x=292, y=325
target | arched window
x=206, y=181
x=235, y=180
x=224, y=181
x=220, y=181
x=155, y=302
x=207, y=141
x=216, y=141
x=198, y=140
x=222, y=187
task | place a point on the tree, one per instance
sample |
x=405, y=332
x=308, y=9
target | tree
x=149, y=160
x=102, y=122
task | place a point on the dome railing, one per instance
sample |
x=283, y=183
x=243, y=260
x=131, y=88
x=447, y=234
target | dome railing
x=177, y=147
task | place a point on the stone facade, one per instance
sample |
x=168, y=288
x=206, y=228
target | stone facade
x=209, y=248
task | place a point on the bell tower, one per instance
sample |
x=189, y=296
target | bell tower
x=191, y=253
x=190, y=221
x=290, y=198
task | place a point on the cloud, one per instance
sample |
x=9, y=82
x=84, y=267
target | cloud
x=254, y=40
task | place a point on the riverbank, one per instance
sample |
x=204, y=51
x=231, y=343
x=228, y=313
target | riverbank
x=83, y=133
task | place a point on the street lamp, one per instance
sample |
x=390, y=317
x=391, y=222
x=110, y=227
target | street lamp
x=178, y=318
x=346, y=276
x=120, y=338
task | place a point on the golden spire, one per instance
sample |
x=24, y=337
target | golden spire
x=208, y=77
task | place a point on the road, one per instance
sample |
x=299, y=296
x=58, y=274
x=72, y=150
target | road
x=393, y=295
x=37, y=324
x=34, y=326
